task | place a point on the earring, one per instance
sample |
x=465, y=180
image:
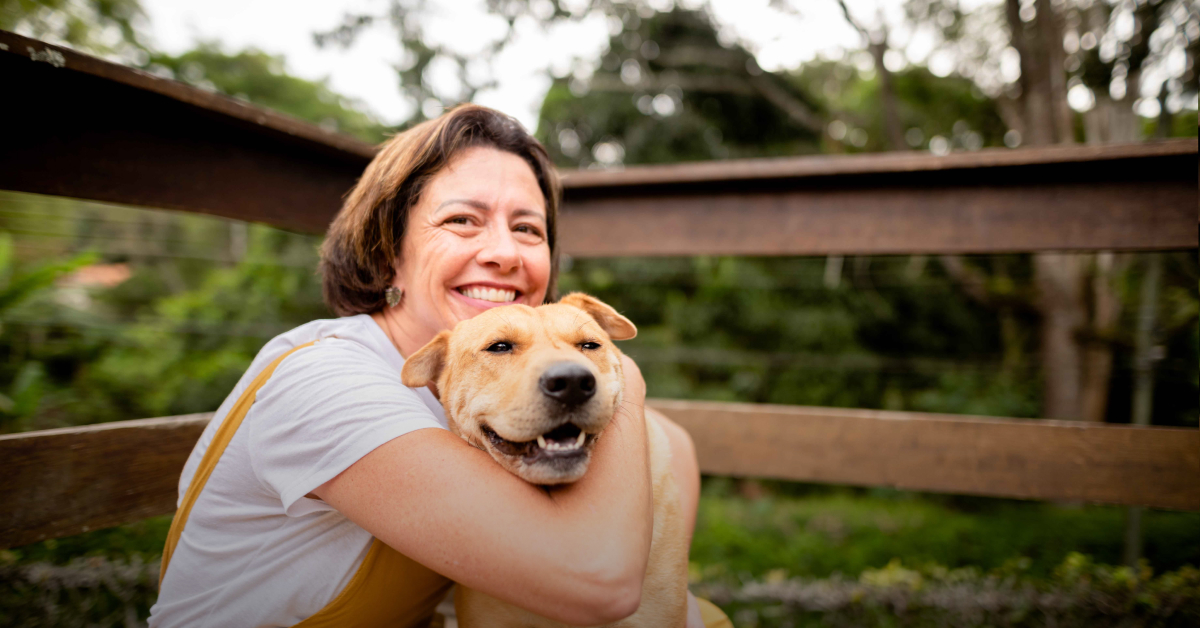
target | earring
x=393, y=295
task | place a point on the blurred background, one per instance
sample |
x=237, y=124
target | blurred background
x=112, y=313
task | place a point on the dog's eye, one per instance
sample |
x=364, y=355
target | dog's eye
x=500, y=347
x=590, y=346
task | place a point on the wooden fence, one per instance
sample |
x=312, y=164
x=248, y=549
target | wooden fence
x=84, y=128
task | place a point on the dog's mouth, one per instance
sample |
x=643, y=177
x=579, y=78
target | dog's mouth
x=564, y=441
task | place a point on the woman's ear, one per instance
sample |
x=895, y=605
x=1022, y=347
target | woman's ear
x=616, y=326
x=424, y=367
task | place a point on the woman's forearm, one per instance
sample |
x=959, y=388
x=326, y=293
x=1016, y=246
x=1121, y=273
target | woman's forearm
x=614, y=501
x=576, y=554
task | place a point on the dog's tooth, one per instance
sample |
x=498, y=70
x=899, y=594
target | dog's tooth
x=542, y=442
x=579, y=441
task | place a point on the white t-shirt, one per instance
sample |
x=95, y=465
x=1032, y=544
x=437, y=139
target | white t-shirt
x=256, y=551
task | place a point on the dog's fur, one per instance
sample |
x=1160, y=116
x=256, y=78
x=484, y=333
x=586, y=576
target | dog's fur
x=494, y=401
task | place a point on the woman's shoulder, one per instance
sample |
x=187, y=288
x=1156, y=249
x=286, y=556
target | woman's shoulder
x=352, y=343
x=349, y=360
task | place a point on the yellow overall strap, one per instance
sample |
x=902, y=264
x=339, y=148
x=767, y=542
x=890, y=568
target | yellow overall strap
x=389, y=589
x=713, y=617
x=217, y=447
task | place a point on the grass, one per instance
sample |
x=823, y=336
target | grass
x=847, y=531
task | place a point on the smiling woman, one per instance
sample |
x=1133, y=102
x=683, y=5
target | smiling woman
x=341, y=497
x=494, y=177
x=477, y=239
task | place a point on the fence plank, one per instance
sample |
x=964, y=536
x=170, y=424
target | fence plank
x=1043, y=460
x=66, y=481
x=143, y=140
x=63, y=482
x=96, y=130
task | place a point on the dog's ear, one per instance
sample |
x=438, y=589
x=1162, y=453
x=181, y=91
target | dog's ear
x=616, y=326
x=425, y=366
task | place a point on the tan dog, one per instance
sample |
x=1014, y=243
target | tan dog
x=535, y=388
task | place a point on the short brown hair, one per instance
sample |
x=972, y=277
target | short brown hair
x=366, y=235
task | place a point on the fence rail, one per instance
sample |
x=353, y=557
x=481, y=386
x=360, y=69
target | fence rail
x=67, y=481
x=142, y=140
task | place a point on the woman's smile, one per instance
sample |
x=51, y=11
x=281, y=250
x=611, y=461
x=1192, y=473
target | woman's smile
x=486, y=295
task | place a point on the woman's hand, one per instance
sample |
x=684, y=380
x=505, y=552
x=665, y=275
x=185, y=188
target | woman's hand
x=575, y=554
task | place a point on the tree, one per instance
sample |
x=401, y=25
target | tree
x=103, y=27
x=1067, y=46
x=876, y=42
x=667, y=90
x=259, y=78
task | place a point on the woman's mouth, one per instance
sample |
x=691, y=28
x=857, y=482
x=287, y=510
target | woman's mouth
x=489, y=294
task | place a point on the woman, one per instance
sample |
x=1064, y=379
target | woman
x=325, y=493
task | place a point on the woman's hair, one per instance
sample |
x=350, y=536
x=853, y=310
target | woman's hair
x=365, y=237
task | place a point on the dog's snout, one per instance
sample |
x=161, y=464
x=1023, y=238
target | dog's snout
x=569, y=383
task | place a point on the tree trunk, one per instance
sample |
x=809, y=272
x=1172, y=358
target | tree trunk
x=1038, y=127
x=1165, y=121
x=1098, y=357
x=887, y=95
x=1062, y=119
x=1061, y=299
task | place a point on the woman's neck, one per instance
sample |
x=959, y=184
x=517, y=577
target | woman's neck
x=401, y=335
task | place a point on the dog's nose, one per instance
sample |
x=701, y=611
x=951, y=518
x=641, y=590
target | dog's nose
x=569, y=383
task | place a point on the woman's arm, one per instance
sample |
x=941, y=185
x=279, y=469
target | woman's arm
x=576, y=554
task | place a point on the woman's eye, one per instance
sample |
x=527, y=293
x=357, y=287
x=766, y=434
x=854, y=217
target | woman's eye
x=529, y=229
x=499, y=347
x=457, y=220
x=590, y=346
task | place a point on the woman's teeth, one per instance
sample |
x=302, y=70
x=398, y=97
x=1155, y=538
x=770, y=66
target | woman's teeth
x=495, y=295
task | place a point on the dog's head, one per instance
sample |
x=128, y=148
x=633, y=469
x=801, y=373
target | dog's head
x=533, y=387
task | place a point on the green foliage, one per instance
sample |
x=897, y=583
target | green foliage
x=804, y=555
x=96, y=26
x=259, y=78
x=667, y=91
x=19, y=284
x=842, y=531
x=1080, y=594
x=951, y=107
x=190, y=351
x=771, y=330
x=87, y=592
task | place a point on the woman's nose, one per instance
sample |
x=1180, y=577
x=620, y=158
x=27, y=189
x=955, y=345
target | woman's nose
x=500, y=250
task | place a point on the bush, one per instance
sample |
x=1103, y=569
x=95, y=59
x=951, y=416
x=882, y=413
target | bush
x=1081, y=593
x=92, y=591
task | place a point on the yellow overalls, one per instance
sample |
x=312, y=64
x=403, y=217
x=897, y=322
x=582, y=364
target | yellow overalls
x=371, y=598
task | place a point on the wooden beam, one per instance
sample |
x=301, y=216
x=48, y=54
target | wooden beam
x=63, y=482
x=1026, y=459
x=67, y=481
x=993, y=201
x=147, y=141
x=85, y=128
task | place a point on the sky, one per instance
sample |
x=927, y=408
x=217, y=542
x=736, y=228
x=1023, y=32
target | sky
x=365, y=71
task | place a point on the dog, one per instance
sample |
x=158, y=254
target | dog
x=535, y=388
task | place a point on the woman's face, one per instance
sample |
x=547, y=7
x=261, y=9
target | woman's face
x=476, y=239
